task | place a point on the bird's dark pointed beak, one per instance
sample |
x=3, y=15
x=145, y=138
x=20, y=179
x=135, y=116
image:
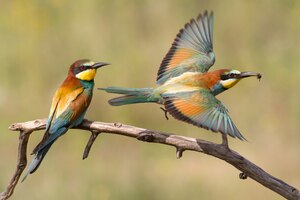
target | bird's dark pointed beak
x=249, y=74
x=99, y=64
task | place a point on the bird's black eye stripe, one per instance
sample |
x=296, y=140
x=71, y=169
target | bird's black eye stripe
x=84, y=67
x=231, y=75
x=228, y=76
x=80, y=68
x=224, y=77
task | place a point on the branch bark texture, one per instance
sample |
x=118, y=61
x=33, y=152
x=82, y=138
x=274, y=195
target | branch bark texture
x=181, y=143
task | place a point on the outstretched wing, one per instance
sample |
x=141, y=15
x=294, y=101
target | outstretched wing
x=201, y=109
x=192, y=49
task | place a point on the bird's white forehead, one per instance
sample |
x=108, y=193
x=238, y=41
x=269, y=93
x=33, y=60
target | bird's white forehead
x=90, y=63
x=234, y=71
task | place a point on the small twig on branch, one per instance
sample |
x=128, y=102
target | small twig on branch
x=181, y=143
x=91, y=141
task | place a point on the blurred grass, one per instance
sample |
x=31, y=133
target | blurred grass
x=40, y=39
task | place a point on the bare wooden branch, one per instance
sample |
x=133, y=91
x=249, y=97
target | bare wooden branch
x=25, y=129
x=181, y=143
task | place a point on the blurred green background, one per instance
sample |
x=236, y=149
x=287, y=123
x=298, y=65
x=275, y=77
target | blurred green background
x=40, y=39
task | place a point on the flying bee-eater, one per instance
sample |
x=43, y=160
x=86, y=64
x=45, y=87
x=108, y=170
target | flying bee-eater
x=69, y=105
x=185, y=87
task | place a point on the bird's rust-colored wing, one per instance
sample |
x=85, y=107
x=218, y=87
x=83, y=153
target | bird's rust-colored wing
x=61, y=114
x=62, y=100
x=201, y=109
x=192, y=49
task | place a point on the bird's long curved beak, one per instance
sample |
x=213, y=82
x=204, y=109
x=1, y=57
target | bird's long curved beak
x=249, y=74
x=99, y=64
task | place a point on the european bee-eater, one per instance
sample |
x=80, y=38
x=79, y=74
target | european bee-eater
x=69, y=106
x=185, y=87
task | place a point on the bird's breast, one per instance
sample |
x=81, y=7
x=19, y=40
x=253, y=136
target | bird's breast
x=186, y=82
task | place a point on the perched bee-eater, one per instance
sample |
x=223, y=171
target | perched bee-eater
x=69, y=106
x=185, y=87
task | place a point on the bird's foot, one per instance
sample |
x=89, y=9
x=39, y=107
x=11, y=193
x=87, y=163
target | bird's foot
x=166, y=112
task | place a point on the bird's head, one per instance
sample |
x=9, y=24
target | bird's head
x=85, y=69
x=229, y=77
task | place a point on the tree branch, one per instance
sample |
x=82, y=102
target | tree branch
x=181, y=143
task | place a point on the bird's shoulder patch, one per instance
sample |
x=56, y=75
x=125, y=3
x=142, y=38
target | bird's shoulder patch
x=66, y=99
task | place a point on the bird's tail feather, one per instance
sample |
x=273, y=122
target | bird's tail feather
x=132, y=95
x=35, y=163
x=42, y=148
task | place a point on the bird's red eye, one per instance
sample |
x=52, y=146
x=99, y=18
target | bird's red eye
x=82, y=67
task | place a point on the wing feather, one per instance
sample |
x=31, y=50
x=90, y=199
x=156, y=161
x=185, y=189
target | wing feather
x=61, y=115
x=201, y=109
x=192, y=49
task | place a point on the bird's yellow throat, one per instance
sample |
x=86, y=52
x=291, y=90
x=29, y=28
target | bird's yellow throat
x=86, y=75
x=229, y=83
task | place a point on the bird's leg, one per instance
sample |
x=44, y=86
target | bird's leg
x=166, y=112
x=225, y=140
